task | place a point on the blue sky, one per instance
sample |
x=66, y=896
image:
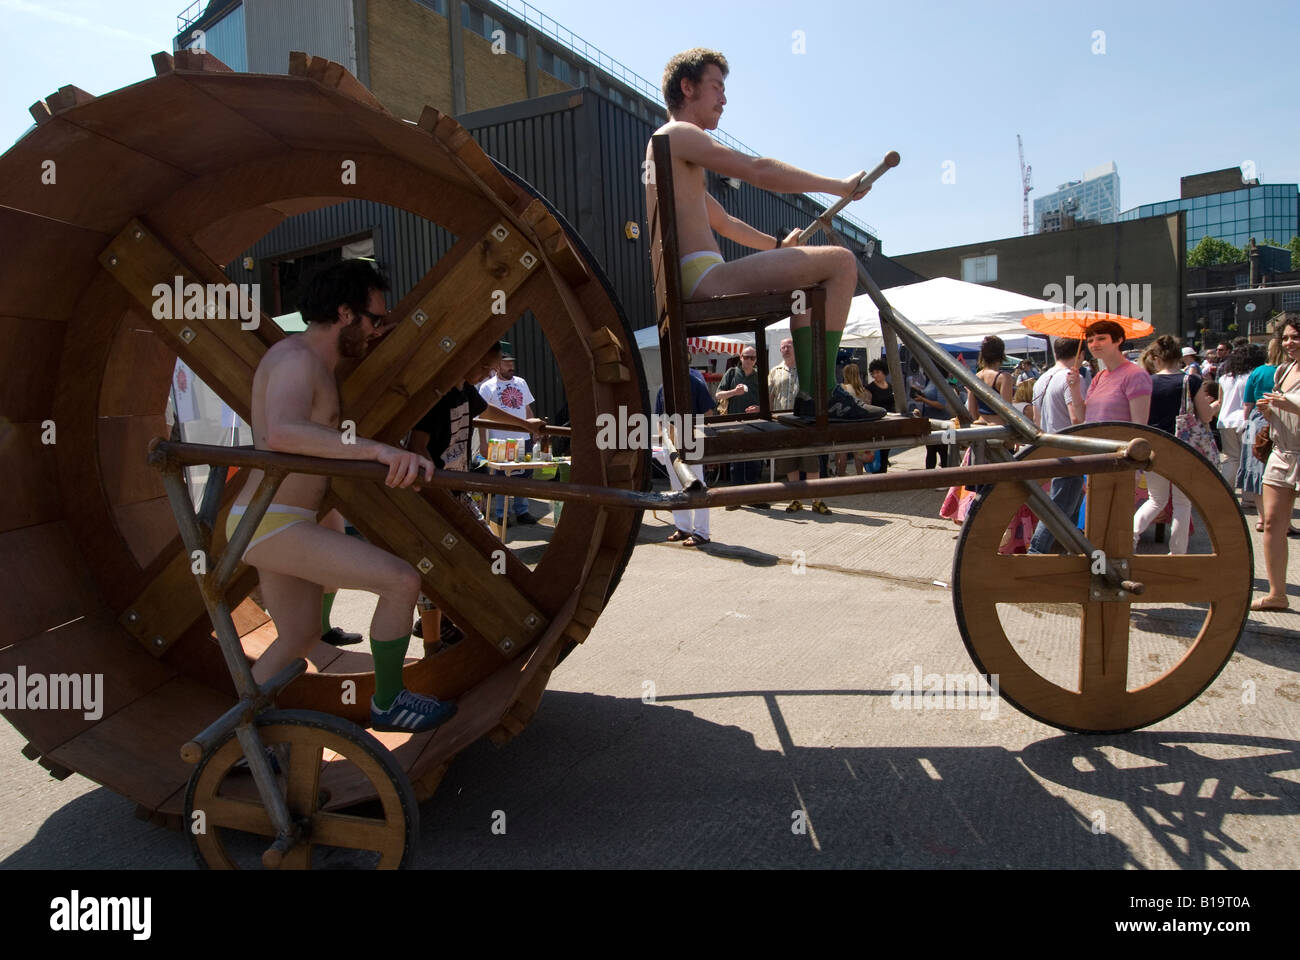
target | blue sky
x=1180, y=88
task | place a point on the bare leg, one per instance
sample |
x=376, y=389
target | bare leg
x=333, y=521
x=786, y=269
x=307, y=555
x=1277, y=502
x=294, y=606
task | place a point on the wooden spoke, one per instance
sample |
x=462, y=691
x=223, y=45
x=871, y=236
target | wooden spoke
x=1103, y=661
x=318, y=745
x=982, y=580
x=1048, y=579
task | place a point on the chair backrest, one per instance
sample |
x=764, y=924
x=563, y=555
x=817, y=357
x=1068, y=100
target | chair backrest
x=665, y=261
x=665, y=267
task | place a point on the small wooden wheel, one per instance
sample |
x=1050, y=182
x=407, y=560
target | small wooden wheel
x=1102, y=701
x=319, y=756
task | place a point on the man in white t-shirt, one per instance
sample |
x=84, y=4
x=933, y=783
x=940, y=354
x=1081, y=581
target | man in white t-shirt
x=1058, y=402
x=507, y=392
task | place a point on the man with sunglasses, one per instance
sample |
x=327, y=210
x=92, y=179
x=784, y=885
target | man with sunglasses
x=742, y=383
x=296, y=410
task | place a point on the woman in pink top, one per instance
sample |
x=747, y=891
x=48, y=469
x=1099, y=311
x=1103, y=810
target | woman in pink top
x=1121, y=390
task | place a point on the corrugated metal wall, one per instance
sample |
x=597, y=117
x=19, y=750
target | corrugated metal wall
x=320, y=27
x=225, y=39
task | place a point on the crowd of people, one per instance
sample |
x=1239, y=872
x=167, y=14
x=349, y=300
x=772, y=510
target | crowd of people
x=1228, y=404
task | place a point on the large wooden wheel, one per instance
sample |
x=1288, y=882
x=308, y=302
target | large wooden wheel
x=1097, y=623
x=172, y=178
x=324, y=763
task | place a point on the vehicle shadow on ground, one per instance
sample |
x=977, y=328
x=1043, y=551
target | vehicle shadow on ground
x=98, y=831
x=601, y=781
x=608, y=782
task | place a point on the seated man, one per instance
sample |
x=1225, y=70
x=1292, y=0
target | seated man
x=296, y=410
x=693, y=91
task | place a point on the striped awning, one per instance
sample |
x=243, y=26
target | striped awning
x=713, y=345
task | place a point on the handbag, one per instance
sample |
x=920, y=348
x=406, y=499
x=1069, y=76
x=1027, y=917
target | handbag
x=1189, y=429
x=1263, y=444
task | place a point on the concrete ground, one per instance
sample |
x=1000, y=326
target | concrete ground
x=733, y=708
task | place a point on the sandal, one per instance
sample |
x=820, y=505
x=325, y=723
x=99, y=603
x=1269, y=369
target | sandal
x=695, y=540
x=819, y=507
x=794, y=507
x=1259, y=526
x=678, y=536
x=1263, y=604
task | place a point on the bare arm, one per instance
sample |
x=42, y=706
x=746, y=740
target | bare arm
x=730, y=227
x=1075, y=402
x=1006, y=387
x=692, y=144
x=1139, y=408
x=290, y=429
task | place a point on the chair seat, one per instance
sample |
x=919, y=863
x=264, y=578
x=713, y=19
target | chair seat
x=739, y=305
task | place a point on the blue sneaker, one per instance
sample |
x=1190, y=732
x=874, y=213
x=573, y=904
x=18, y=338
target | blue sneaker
x=411, y=713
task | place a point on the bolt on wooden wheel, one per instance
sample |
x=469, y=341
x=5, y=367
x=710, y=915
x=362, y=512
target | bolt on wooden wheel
x=1085, y=664
x=319, y=756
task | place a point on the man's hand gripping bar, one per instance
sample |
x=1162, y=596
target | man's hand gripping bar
x=810, y=231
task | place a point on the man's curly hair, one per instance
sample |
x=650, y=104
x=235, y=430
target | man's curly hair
x=688, y=65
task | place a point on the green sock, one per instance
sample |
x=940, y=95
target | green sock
x=389, y=656
x=802, y=338
x=833, y=338
x=326, y=605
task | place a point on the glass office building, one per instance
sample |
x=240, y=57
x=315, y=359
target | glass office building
x=1095, y=198
x=1265, y=212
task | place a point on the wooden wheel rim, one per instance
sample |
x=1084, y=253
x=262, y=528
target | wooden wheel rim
x=982, y=579
x=309, y=735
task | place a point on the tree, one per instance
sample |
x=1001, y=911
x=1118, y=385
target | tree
x=1212, y=250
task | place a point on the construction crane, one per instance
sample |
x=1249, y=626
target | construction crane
x=1026, y=181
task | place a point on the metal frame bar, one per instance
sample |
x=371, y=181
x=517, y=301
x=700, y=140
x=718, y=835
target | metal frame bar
x=1133, y=455
x=212, y=586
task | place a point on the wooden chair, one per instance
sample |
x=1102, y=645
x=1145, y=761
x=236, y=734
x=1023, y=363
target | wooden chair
x=740, y=435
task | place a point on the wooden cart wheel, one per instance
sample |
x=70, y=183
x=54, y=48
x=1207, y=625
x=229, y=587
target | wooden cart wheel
x=228, y=825
x=1102, y=701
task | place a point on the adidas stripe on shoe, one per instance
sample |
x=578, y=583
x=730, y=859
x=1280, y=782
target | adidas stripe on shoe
x=411, y=713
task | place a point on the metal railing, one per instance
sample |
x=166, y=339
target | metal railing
x=189, y=15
